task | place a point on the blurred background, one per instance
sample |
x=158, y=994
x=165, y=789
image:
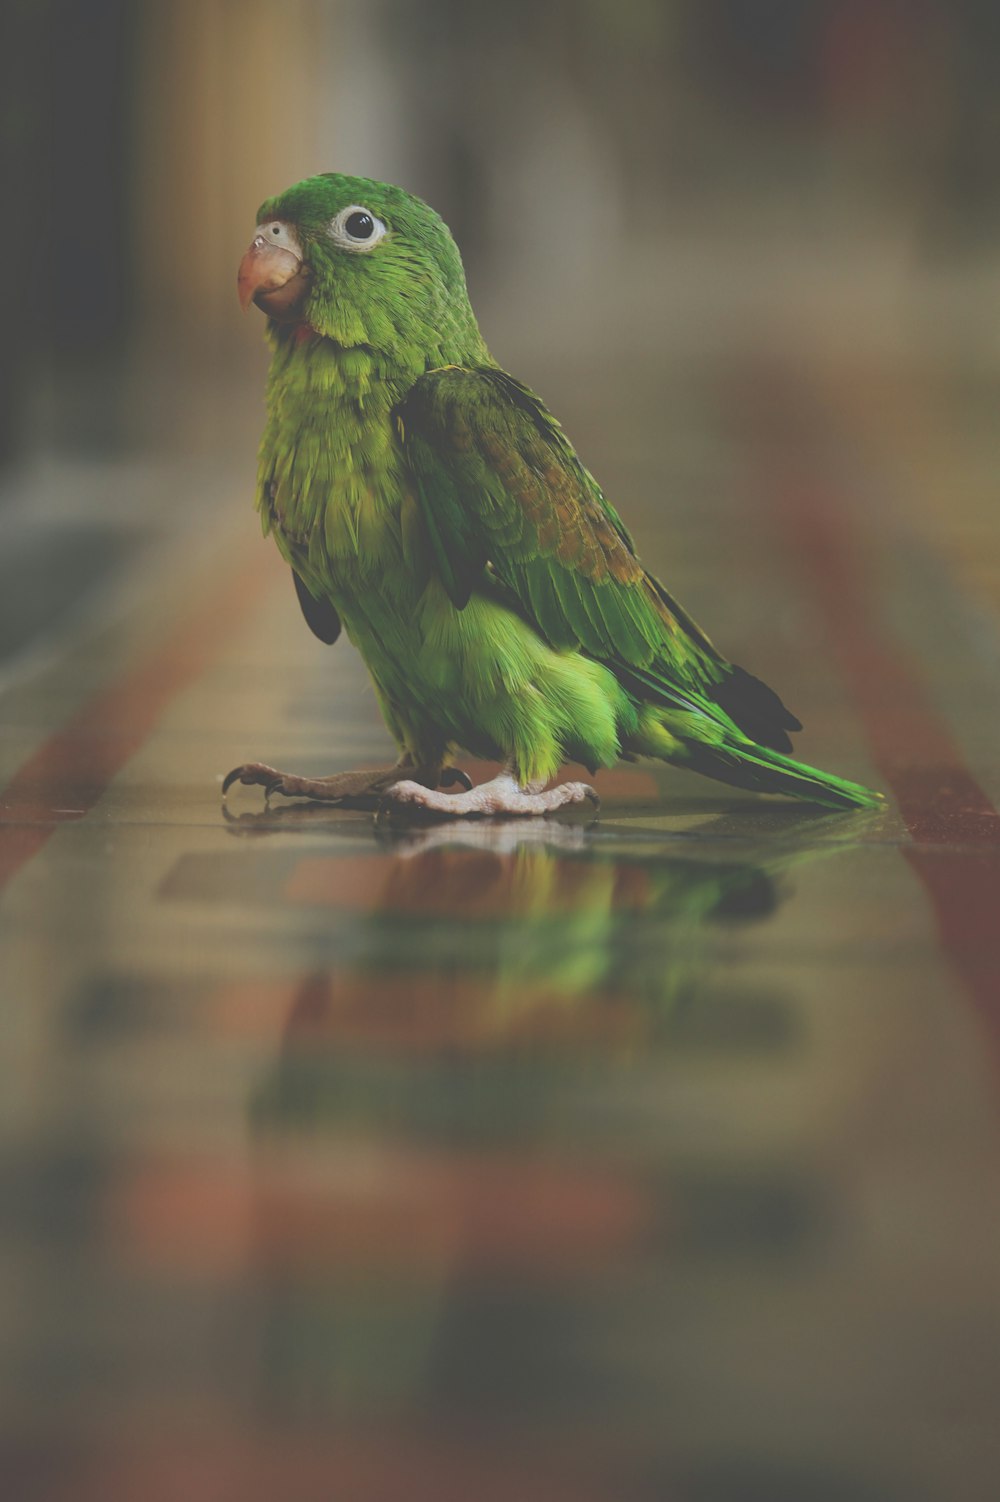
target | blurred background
x=665, y=165
x=658, y=1161
x=636, y=184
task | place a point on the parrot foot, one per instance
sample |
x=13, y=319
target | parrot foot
x=500, y=798
x=364, y=790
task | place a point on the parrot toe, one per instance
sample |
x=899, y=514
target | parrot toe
x=354, y=790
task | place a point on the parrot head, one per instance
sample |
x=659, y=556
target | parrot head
x=359, y=262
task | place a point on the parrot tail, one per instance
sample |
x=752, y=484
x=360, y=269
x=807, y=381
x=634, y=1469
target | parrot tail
x=745, y=746
x=748, y=765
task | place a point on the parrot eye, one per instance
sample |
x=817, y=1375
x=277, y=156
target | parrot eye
x=356, y=228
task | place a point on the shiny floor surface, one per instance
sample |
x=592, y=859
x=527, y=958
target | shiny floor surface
x=654, y=1158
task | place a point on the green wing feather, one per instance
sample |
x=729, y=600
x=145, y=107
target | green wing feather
x=506, y=498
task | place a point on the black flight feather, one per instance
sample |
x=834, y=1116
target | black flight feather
x=756, y=709
x=321, y=618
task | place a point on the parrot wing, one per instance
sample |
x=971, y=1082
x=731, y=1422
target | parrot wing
x=506, y=498
x=321, y=618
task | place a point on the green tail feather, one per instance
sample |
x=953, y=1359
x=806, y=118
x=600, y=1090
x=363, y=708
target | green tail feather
x=763, y=771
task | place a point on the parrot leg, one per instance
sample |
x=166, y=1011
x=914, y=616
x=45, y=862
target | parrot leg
x=502, y=797
x=347, y=789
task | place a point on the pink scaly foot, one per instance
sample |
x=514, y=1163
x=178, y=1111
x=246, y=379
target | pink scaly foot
x=500, y=798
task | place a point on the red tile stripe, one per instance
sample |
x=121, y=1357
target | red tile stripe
x=417, y=1014
x=953, y=822
x=476, y=883
x=336, y=1209
x=68, y=774
x=361, y=1461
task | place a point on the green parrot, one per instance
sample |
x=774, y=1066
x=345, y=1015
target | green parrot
x=433, y=505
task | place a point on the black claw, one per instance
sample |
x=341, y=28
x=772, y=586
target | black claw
x=384, y=811
x=230, y=778
x=451, y=775
x=254, y=774
x=399, y=813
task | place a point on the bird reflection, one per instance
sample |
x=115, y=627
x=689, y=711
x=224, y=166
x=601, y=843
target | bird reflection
x=439, y=1121
x=519, y=941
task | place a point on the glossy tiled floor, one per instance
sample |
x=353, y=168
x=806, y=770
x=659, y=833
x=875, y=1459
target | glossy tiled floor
x=655, y=1159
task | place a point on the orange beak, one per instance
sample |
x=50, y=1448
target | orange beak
x=273, y=278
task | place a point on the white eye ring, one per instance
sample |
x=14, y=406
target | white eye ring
x=341, y=228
